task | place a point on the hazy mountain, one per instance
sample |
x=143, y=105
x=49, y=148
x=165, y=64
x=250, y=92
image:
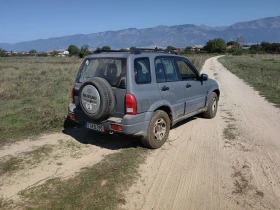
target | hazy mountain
x=265, y=29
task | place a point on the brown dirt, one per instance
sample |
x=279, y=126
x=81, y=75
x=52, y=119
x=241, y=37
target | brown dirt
x=71, y=151
x=229, y=162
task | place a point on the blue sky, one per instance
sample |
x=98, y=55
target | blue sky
x=24, y=20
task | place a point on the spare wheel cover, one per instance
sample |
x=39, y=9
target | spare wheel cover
x=90, y=99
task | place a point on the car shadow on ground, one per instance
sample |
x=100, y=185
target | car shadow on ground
x=103, y=140
x=108, y=141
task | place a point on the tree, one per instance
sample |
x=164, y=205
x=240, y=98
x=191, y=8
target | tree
x=54, y=53
x=188, y=49
x=32, y=51
x=84, y=51
x=232, y=43
x=73, y=50
x=132, y=48
x=216, y=46
x=240, y=41
x=2, y=52
x=105, y=48
x=170, y=48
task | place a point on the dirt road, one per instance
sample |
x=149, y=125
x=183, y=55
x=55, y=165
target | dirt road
x=229, y=162
x=31, y=162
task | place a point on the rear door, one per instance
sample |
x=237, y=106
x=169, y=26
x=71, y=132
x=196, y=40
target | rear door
x=169, y=84
x=195, y=91
x=113, y=69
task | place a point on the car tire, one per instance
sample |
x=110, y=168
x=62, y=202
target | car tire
x=97, y=99
x=158, y=130
x=212, y=106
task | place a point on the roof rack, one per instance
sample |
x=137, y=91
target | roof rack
x=101, y=51
x=140, y=50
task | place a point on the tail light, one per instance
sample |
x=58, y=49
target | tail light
x=73, y=95
x=116, y=127
x=130, y=104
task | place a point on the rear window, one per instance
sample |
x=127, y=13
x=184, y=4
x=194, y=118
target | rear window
x=111, y=69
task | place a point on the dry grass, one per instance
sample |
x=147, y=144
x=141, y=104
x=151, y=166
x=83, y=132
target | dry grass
x=260, y=71
x=34, y=94
x=198, y=60
x=13, y=163
x=97, y=187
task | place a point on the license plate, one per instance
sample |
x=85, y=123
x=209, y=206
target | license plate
x=95, y=127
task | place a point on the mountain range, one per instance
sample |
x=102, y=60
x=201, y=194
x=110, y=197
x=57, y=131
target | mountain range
x=256, y=31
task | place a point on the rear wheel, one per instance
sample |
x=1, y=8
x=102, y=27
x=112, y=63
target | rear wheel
x=212, y=106
x=158, y=130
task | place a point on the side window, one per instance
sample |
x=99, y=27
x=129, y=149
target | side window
x=160, y=73
x=187, y=73
x=165, y=70
x=142, y=70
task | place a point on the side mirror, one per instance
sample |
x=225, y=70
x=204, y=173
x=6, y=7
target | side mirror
x=203, y=77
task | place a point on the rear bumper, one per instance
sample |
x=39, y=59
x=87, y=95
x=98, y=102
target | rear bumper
x=131, y=124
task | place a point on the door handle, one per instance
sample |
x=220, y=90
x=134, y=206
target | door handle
x=188, y=85
x=165, y=88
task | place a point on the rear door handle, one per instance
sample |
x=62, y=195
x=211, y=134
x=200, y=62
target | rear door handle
x=188, y=85
x=165, y=88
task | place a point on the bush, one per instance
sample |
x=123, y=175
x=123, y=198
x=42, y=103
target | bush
x=237, y=52
x=216, y=46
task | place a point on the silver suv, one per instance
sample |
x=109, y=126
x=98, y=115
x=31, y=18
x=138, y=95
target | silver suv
x=143, y=93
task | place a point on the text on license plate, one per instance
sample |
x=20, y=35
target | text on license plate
x=95, y=127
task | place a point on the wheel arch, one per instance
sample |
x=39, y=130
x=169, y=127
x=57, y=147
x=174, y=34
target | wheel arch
x=217, y=91
x=168, y=111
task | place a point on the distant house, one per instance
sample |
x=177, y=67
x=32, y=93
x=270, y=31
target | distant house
x=230, y=47
x=63, y=53
x=197, y=48
x=246, y=48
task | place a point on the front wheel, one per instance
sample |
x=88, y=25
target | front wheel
x=158, y=130
x=212, y=106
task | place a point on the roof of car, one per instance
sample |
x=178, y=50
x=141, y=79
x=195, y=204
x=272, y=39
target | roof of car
x=137, y=51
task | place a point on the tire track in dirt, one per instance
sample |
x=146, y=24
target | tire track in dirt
x=229, y=162
x=76, y=149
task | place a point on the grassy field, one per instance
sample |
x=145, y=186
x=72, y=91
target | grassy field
x=198, y=59
x=35, y=93
x=260, y=71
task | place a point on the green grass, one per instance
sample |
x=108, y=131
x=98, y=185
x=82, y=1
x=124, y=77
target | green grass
x=12, y=164
x=34, y=95
x=260, y=71
x=98, y=187
x=198, y=60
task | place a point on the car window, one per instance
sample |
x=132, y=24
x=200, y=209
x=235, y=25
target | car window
x=165, y=70
x=142, y=70
x=186, y=71
x=110, y=69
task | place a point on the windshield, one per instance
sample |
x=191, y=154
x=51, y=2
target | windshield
x=111, y=69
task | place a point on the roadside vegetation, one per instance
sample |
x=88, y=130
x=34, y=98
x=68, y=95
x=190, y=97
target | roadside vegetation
x=260, y=71
x=98, y=187
x=34, y=93
x=12, y=163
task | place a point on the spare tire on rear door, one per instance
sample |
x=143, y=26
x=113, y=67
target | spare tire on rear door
x=97, y=99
